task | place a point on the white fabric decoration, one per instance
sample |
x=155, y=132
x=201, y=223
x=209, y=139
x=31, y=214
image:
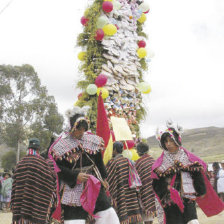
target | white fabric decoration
x=77, y=110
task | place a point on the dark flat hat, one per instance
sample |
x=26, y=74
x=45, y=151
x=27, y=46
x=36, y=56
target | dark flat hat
x=34, y=143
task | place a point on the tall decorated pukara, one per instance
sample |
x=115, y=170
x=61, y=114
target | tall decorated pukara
x=114, y=59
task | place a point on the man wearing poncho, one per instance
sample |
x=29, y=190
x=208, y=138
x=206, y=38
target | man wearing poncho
x=179, y=181
x=124, y=198
x=147, y=197
x=34, y=188
x=78, y=160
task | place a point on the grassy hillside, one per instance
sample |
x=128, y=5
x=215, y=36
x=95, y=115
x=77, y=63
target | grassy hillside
x=208, y=143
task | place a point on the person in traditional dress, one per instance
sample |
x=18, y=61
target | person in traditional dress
x=34, y=196
x=147, y=197
x=125, y=199
x=77, y=156
x=179, y=181
x=219, y=179
x=6, y=190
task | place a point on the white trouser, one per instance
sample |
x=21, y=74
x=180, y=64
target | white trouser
x=194, y=221
x=75, y=221
x=108, y=216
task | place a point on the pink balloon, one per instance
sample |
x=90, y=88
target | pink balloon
x=107, y=6
x=101, y=80
x=99, y=34
x=84, y=20
x=130, y=144
x=141, y=43
x=117, y=26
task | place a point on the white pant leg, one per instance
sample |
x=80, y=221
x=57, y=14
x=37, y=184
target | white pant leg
x=194, y=221
x=75, y=221
x=108, y=216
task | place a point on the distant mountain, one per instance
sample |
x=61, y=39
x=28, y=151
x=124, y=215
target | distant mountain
x=203, y=142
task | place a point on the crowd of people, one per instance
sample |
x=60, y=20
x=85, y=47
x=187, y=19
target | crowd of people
x=73, y=185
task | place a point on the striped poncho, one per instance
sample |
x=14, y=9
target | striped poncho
x=147, y=196
x=125, y=200
x=34, y=191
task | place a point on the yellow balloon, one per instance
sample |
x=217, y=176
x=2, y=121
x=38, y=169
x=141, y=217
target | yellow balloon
x=141, y=52
x=144, y=87
x=82, y=55
x=135, y=155
x=148, y=90
x=110, y=29
x=142, y=18
x=105, y=92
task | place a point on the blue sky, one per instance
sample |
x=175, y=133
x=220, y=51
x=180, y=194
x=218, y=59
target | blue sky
x=186, y=73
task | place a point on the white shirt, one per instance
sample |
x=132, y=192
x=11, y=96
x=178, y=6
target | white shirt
x=220, y=181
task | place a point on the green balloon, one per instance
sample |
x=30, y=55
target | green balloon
x=91, y=89
x=102, y=21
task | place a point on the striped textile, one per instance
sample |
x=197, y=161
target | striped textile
x=125, y=200
x=34, y=191
x=147, y=196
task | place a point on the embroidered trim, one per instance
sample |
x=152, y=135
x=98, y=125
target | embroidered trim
x=32, y=152
x=68, y=147
x=178, y=166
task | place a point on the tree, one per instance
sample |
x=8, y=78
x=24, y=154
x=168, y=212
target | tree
x=114, y=45
x=24, y=104
x=9, y=159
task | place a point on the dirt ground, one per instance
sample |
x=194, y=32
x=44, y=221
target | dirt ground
x=6, y=218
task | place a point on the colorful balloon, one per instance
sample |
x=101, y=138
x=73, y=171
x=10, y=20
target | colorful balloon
x=84, y=20
x=144, y=87
x=82, y=55
x=148, y=89
x=144, y=7
x=142, y=18
x=141, y=52
x=127, y=154
x=135, y=155
x=110, y=29
x=91, y=89
x=141, y=43
x=105, y=92
x=101, y=80
x=107, y=6
x=99, y=34
x=102, y=21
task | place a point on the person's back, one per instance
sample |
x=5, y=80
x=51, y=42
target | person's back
x=34, y=190
x=143, y=166
x=124, y=198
